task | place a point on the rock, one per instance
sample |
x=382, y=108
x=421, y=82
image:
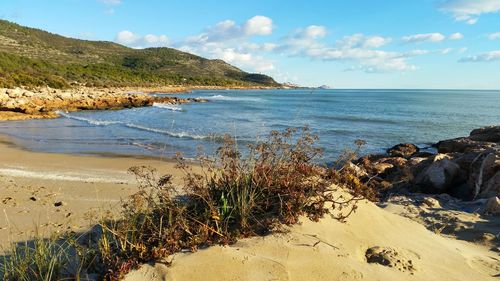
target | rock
x=423, y=154
x=464, y=160
x=487, y=237
x=431, y=202
x=462, y=145
x=381, y=167
x=15, y=93
x=416, y=161
x=439, y=176
x=358, y=171
x=395, y=161
x=486, y=134
x=481, y=170
x=58, y=204
x=492, y=206
x=492, y=187
x=368, y=162
x=405, y=150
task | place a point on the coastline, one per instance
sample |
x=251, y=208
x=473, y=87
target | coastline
x=32, y=183
x=44, y=103
x=47, y=193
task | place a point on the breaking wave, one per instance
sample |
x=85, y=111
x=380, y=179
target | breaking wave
x=168, y=106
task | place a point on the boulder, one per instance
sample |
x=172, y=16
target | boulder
x=462, y=145
x=431, y=202
x=15, y=93
x=381, y=167
x=416, y=161
x=492, y=187
x=395, y=161
x=492, y=206
x=405, y=150
x=486, y=134
x=481, y=170
x=439, y=176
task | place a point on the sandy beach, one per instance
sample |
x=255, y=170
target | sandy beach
x=48, y=193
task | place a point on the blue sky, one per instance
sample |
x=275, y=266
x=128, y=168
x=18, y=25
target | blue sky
x=344, y=44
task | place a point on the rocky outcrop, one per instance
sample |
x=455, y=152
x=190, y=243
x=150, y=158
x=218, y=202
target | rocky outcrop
x=467, y=168
x=479, y=139
x=45, y=102
x=405, y=150
x=486, y=134
x=439, y=176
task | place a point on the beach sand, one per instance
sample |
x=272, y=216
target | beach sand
x=32, y=184
x=331, y=250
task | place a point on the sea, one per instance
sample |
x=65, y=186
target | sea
x=382, y=118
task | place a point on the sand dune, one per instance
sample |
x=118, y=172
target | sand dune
x=331, y=250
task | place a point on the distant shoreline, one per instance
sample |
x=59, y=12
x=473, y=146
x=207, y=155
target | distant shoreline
x=43, y=103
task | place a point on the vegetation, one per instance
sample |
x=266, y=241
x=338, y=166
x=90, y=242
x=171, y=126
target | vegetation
x=32, y=57
x=234, y=196
x=47, y=259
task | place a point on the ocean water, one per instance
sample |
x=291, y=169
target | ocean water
x=380, y=117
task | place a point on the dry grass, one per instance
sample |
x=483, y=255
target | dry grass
x=234, y=196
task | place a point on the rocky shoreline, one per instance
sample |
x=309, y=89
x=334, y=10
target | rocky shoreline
x=467, y=168
x=21, y=104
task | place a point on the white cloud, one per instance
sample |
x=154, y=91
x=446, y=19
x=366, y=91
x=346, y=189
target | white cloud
x=111, y=2
x=456, y=36
x=469, y=11
x=484, y=57
x=431, y=37
x=133, y=40
x=446, y=51
x=426, y=37
x=366, y=59
x=358, y=49
x=313, y=31
x=228, y=30
x=301, y=39
x=494, y=36
x=361, y=41
x=258, y=25
x=230, y=41
x=233, y=56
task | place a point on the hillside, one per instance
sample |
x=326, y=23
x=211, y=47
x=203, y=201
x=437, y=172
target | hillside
x=33, y=57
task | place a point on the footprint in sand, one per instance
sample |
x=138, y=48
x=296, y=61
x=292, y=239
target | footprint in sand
x=391, y=258
x=9, y=200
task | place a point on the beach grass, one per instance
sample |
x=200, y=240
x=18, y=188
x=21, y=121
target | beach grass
x=232, y=196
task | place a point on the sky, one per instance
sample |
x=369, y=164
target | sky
x=438, y=44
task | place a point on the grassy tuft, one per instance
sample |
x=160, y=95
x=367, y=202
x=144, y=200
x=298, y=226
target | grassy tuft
x=234, y=196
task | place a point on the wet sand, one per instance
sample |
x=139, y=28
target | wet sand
x=33, y=183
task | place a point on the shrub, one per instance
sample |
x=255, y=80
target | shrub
x=234, y=196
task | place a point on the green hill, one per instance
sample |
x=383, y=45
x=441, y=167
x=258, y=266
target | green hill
x=33, y=57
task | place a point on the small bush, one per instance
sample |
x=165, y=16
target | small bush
x=234, y=196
